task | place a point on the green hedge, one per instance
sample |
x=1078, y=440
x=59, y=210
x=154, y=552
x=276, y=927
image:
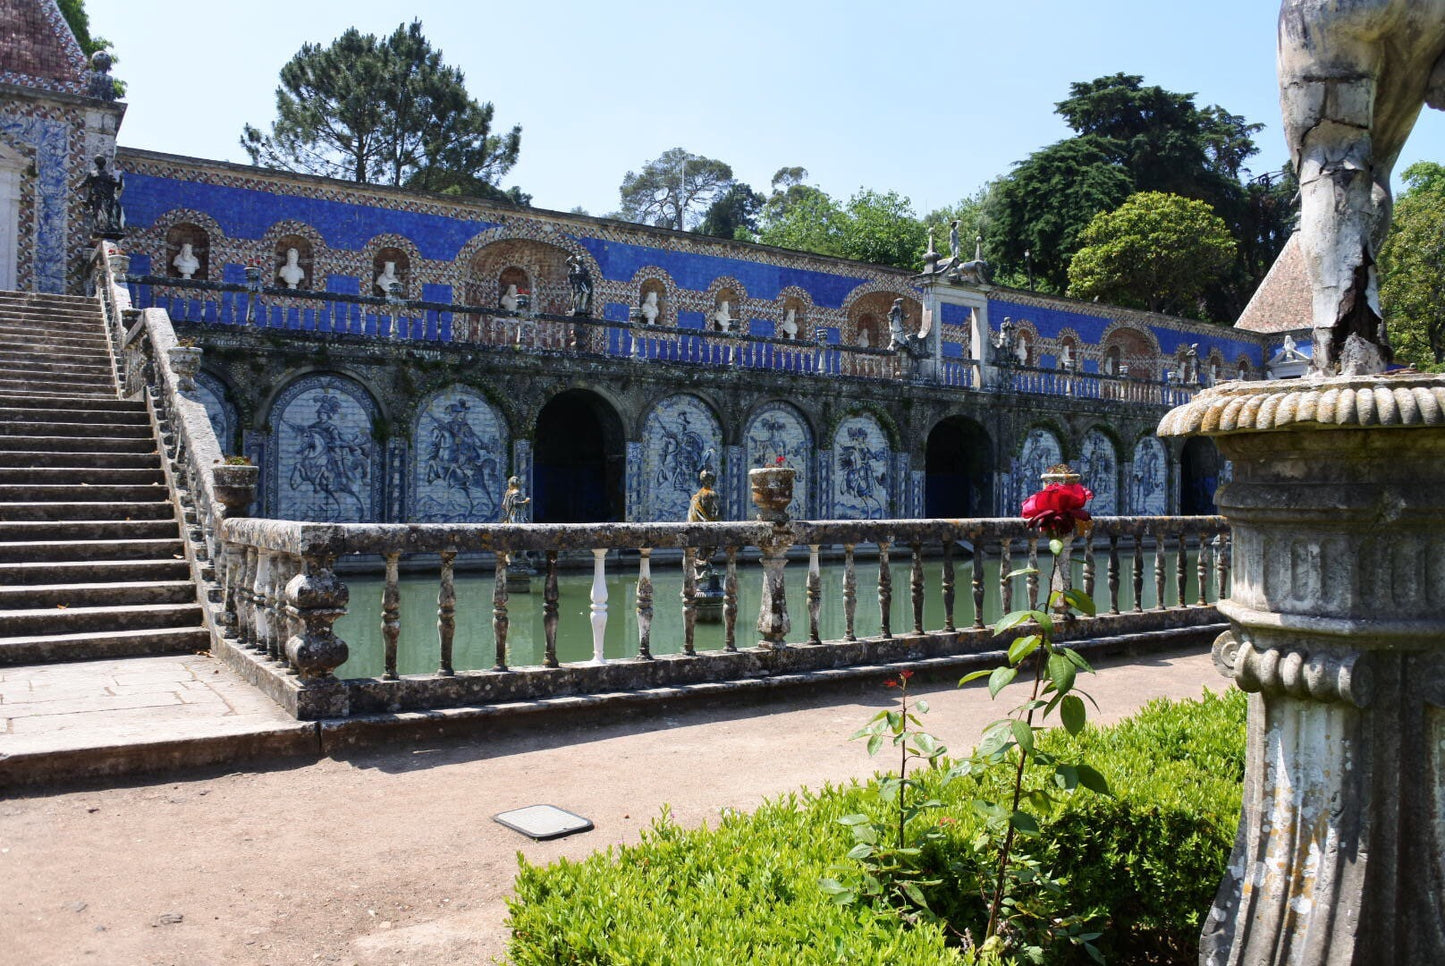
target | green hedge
x=1146, y=862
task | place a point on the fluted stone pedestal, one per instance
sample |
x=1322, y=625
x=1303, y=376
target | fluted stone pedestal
x=1338, y=632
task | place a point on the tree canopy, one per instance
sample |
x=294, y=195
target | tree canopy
x=1156, y=251
x=734, y=214
x=1412, y=266
x=74, y=13
x=385, y=111
x=674, y=188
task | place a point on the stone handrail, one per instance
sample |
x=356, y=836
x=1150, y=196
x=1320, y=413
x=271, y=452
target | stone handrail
x=1094, y=385
x=283, y=594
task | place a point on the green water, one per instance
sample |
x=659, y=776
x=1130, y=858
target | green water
x=474, y=645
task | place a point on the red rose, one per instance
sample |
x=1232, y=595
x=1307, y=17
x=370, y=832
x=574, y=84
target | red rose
x=1058, y=508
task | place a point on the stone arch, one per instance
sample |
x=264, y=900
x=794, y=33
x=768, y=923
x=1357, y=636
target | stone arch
x=1069, y=338
x=1215, y=367
x=1038, y=449
x=800, y=302
x=1124, y=344
x=1201, y=467
x=958, y=464
x=659, y=282
x=460, y=447
x=179, y=225
x=326, y=464
x=579, y=458
x=726, y=287
x=309, y=246
x=186, y=236
x=1098, y=465
x=1026, y=343
x=543, y=263
x=390, y=247
x=681, y=434
x=1243, y=368
x=862, y=471
x=776, y=431
x=213, y=393
x=1149, y=481
x=866, y=310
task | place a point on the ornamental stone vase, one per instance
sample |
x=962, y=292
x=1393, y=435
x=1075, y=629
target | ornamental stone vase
x=772, y=490
x=235, y=486
x=1337, y=616
x=185, y=362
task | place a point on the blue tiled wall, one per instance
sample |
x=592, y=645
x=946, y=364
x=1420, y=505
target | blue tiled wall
x=1050, y=322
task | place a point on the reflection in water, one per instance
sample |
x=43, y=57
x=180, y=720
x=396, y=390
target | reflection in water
x=417, y=649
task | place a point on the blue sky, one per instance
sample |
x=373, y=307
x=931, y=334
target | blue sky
x=930, y=100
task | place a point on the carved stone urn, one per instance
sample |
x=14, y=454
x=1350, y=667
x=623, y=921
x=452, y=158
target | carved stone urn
x=772, y=488
x=235, y=486
x=185, y=362
x=1337, y=616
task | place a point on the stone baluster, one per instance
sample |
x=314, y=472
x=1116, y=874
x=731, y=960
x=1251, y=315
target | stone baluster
x=885, y=591
x=272, y=600
x=500, y=621
x=1138, y=570
x=391, y=615
x=978, y=583
x=447, y=611
x=1005, y=567
x=549, y=610
x=1031, y=580
x=730, y=601
x=916, y=586
x=773, y=620
x=1181, y=570
x=599, y=605
x=258, y=576
x=1201, y=570
x=317, y=598
x=1089, y=566
x=283, y=626
x=1113, y=573
x=689, y=599
x=850, y=593
x=644, y=604
x=815, y=593
x=1221, y=566
x=1160, y=565
x=947, y=580
x=246, y=610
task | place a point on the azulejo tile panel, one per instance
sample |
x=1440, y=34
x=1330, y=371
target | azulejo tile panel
x=328, y=466
x=778, y=435
x=459, y=459
x=1099, y=469
x=1041, y=450
x=1149, y=483
x=681, y=437
x=862, y=471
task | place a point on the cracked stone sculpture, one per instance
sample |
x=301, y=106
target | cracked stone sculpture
x=1353, y=77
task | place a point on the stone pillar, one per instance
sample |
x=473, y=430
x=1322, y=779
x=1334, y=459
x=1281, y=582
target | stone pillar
x=1337, y=611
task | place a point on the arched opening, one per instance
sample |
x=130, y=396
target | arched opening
x=294, y=262
x=958, y=468
x=1199, y=470
x=869, y=313
x=188, y=251
x=579, y=461
x=390, y=267
x=515, y=288
x=534, y=267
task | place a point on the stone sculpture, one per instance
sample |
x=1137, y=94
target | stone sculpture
x=1066, y=357
x=103, y=188
x=581, y=281
x=509, y=298
x=186, y=261
x=788, y=328
x=955, y=249
x=705, y=505
x=291, y=273
x=1353, y=75
x=1004, y=342
x=513, y=501
x=387, y=281
x=722, y=317
x=650, y=309
x=897, y=337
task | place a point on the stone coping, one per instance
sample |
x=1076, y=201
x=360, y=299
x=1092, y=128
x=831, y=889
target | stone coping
x=1401, y=399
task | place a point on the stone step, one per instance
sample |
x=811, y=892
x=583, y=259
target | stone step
x=54, y=348
x=52, y=363
x=118, y=593
x=53, y=371
x=47, y=299
x=78, y=444
x=48, y=312
x=26, y=459
x=78, y=341
x=14, y=412
x=98, y=510
x=90, y=620
x=82, y=493
x=73, y=385
x=27, y=320
x=81, y=475
x=76, y=551
x=29, y=530
x=85, y=430
x=107, y=403
x=91, y=571
x=50, y=648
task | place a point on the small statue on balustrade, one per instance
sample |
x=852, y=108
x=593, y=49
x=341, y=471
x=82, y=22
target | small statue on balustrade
x=705, y=507
x=513, y=501
x=103, y=188
x=1006, y=342
x=580, y=279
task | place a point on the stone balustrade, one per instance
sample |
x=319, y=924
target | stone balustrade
x=284, y=589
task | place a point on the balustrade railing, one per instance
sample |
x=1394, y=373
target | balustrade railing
x=1094, y=385
x=287, y=594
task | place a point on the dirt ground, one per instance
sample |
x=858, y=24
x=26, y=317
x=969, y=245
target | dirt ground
x=391, y=856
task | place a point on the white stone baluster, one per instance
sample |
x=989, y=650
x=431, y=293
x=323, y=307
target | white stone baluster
x=599, y=604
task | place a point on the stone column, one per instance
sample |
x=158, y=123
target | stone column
x=1337, y=611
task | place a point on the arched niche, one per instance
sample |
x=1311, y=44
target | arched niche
x=726, y=314
x=183, y=234
x=327, y=463
x=958, y=470
x=862, y=470
x=1099, y=471
x=298, y=273
x=514, y=288
x=870, y=313
x=652, y=294
x=401, y=269
x=1149, y=485
x=211, y=393
x=1131, y=353
x=459, y=460
x=793, y=320
x=539, y=268
x=680, y=437
x=1200, y=470
x=778, y=435
x=869, y=332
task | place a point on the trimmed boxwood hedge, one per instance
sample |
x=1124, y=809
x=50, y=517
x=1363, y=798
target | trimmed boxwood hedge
x=1145, y=862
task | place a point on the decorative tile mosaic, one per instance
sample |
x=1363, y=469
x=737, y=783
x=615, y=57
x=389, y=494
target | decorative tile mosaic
x=680, y=438
x=1149, y=481
x=778, y=435
x=1099, y=468
x=211, y=393
x=862, y=477
x=459, y=459
x=327, y=466
x=1040, y=450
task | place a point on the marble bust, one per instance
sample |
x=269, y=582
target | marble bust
x=292, y=273
x=723, y=317
x=186, y=261
x=788, y=328
x=509, y=298
x=387, y=278
x=650, y=309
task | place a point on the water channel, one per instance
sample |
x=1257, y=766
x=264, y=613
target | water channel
x=474, y=645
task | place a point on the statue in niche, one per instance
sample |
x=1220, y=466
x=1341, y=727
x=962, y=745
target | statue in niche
x=788, y=328
x=1188, y=361
x=722, y=317
x=513, y=501
x=650, y=310
x=387, y=281
x=864, y=340
x=581, y=281
x=458, y=458
x=103, y=188
x=186, y=261
x=1353, y=76
x=1004, y=341
x=1066, y=358
x=897, y=337
x=331, y=462
x=509, y=298
x=1021, y=349
x=291, y=273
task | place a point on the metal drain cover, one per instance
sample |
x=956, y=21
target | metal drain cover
x=543, y=822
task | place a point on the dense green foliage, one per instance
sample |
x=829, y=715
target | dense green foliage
x=385, y=111
x=1135, y=138
x=734, y=214
x=1412, y=267
x=74, y=13
x=748, y=890
x=1156, y=251
x=671, y=188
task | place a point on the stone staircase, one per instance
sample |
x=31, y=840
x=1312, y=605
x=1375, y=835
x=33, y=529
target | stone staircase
x=91, y=557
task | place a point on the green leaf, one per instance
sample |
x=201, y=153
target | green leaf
x=1021, y=572
x=1077, y=659
x=832, y=886
x=1092, y=780
x=1072, y=713
x=1080, y=601
x=861, y=851
x=1024, y=735
x=875, y=742
x=1022, y=647
x=1001, y=678
x=973, y=676
x=1013, y=619
x=1061, y=672
x=911, y=890
x=854, y=819
x=921, y=706
x=1025, y=823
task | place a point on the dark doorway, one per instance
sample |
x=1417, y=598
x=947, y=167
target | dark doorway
x=1199, y=469
x=958, y=468
x=579, y=461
